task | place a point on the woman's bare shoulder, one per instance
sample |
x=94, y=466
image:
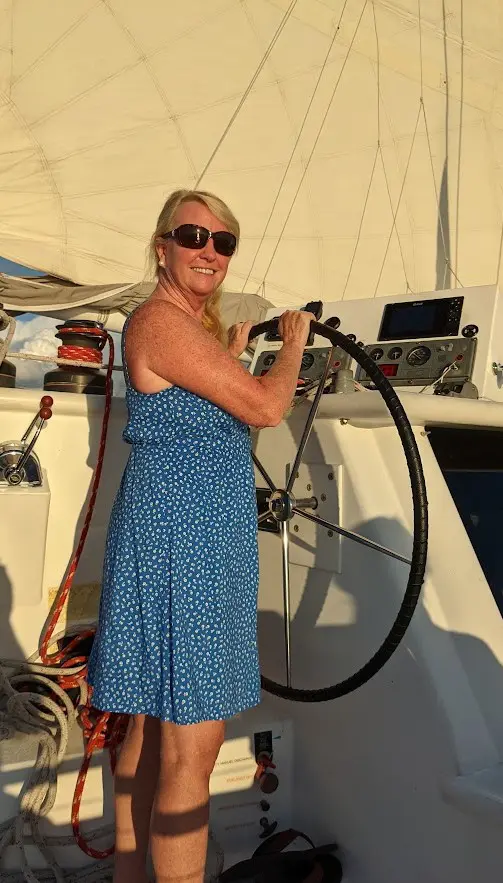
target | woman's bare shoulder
x=170, y=346
x=157, y=313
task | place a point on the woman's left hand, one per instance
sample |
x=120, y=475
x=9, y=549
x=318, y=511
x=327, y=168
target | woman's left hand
x=237, y=337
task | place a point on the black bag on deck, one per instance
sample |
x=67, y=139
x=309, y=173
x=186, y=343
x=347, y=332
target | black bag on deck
x=269, y=864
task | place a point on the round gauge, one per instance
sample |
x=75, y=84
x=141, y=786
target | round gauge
x=376, y=353
x=269, y=360
x=395, y=352
x=307, y=361
x=418, y=356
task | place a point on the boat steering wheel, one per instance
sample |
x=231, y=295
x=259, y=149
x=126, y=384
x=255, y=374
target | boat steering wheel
x=283, y=506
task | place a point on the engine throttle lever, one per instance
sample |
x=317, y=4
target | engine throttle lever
x=14, y=474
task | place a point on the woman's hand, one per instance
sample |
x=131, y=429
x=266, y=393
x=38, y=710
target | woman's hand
x=295, y=325
x=237, y=337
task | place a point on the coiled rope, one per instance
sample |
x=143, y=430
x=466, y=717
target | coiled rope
x=34, y=700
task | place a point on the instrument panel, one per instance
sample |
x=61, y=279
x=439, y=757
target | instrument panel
x=446, y=340
x=419, y=362
x=312, y=366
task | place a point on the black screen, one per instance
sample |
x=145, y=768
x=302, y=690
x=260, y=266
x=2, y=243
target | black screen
x=472, y=465
x=438, y=317
x=411, y=321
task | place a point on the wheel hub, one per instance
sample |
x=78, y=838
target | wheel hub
x=281, y=505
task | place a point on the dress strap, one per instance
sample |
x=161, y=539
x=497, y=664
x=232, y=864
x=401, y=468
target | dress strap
x=123, y=350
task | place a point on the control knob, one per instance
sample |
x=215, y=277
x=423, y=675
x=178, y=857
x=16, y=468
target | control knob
x=470, y=330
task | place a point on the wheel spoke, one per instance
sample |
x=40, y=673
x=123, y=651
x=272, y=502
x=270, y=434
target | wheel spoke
x=283, y=506
x=285, y=543
x=351, y=535
x=309, y=423
x=264, y=516
x=263, y=473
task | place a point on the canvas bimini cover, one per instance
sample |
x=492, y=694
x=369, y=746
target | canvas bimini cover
x=359, y=142
x=109, y=304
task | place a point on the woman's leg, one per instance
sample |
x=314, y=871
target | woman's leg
x=136, y=778
x=179, y=835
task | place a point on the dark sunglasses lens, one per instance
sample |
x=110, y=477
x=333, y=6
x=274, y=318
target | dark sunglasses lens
x=225, y=243
x=190, y=236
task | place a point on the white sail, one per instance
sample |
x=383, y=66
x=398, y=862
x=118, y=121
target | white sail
x=360, y=143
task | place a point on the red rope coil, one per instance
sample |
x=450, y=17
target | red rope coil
x=83, y=353
x=80, y=354
x=101, y=730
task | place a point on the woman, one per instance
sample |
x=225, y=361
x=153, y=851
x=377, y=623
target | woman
x=176, y=642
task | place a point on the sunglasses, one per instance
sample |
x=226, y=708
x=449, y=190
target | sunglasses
x=192, y=236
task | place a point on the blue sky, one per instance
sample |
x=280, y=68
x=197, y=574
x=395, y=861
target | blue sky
x=16, y=269
x=35, y=334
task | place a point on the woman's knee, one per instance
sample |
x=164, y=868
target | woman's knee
x=192, y=749
x=213, y=747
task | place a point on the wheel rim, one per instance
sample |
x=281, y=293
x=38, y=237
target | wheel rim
x=283, y=505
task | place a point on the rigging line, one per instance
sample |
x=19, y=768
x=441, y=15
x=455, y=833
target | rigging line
x=394, y=222
x=442, y=234
x=360, y=227
x=453, y=273
x=448, y=265
x=11, y=52
x=248, y=89
x=361, y=223
x=315, y=141
x=378, y=59
x=287, y=169
x=434, y=179
x=420, y=45
x=500, y=254
x=447, y=118
x=379, y=146
x=460, y=135
x=399, y=199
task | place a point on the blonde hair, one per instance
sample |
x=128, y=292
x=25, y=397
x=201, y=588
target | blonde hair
x=211, y=316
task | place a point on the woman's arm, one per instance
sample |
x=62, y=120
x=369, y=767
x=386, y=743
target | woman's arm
x=164, y=342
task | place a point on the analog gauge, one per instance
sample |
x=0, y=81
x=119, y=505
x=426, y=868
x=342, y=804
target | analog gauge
x=307, y=361
x=395, y=352
x=269, y=360
x=419, y=356
x=376, y=353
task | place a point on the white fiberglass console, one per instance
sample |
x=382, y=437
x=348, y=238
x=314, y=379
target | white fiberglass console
x=450, y=342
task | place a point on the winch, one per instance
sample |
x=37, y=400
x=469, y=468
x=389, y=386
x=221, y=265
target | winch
x=82, y=341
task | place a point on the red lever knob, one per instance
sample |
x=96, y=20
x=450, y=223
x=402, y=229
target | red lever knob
x=45, y=413
x=46, y=402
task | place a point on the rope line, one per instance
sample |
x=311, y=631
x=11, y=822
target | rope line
x=395, y=213
x=34, y=700
x=315, y=141
x=248, y=89
x=292, y=154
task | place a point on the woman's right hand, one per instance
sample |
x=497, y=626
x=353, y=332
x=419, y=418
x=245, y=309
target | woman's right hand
x=294, y=326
